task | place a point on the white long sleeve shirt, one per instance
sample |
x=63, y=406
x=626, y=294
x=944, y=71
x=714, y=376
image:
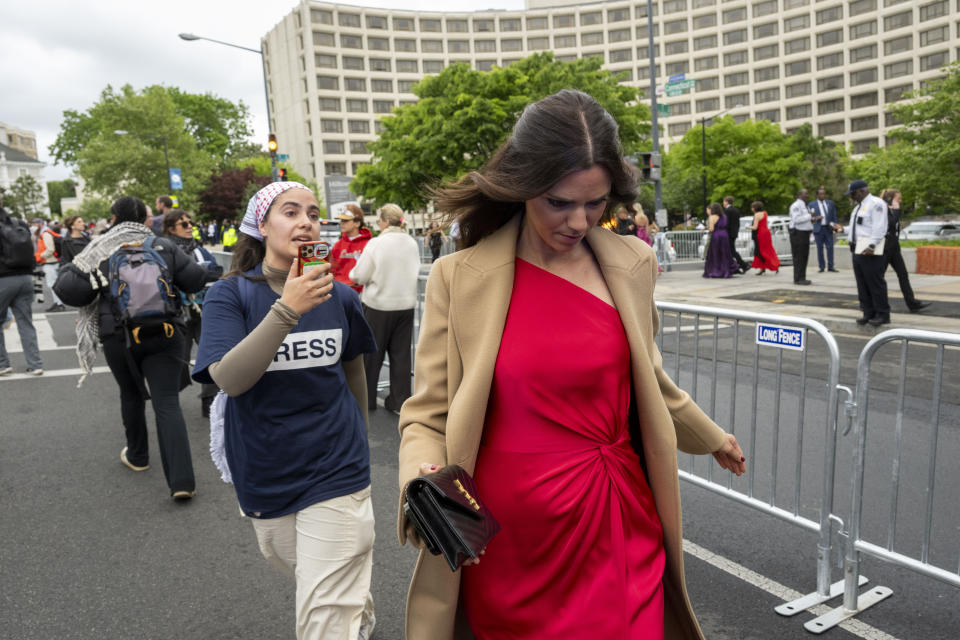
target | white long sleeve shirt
x=868, y=220
x=800, y=217
x=388, y=269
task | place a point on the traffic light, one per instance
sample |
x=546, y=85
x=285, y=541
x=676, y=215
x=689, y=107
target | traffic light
x=649, y=166
x=282, y=174
x=272, y=145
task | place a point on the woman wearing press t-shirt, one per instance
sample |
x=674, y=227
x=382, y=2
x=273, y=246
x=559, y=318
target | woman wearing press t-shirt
x=287, y=350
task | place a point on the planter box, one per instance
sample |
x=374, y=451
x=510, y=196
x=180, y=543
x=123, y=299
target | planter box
x=938, y=260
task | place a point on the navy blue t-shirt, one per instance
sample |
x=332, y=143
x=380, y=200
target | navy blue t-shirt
x=297, y=437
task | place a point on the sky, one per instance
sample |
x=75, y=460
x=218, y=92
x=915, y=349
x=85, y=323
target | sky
x=61, y=54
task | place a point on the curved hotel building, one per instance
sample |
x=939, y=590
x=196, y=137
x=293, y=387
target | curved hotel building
x=334, y=69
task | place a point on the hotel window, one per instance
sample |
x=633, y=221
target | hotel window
x=331, y=126
x=402, y=24
x=706, y=63
x=796, y=22
x=640, y=10
x=621, y=55
x=376, y=22
x=830, y=14
x=335, y=168
x=773, y=115
x=359, y=126
x=348, y=19
x=893, y=94
x=863, y=30
x=378, y=44
x=796, y=67
x=564, y=21
x=355, y=63
x=432, y=66
x=828, y=38
x=355, y=84
x=618, y=35
x=766, y=95
x=673, y=48
x=675, y=26
x=382, y=86
x=700, y=4
x=704, y=42
x=624, y=76
x=934, y=60
x=708, y=104
x=862, y=100
x=588, y=39
x=587, y=19
x=679, y=108
x=328, y=83
x=734, y=37
x=898, y=20
x=511, y=44
x=766, y=74
x=897, y=69
x=483, y=26
x=327, y=61
x=735, y=57
x=538, y=44
x=834, y=128
x=830, y=106
x=321, y=16
x=357, y=106
x=705, y=22
x=864, y=76
x=509, y=24
x=643, y=72
x=431, y=46
x=765, y=30
x=867, y=52
x=829, y=61
x=619, y=15
x=934, y=10
x=564, y=58
x=678, y=129
x=731, y=101
x=674, y=6
x=708, y=84
x=861, y=6
x=351, y=42
x=933, y=36
x=796, y=46
x=642, y=31
x=736, y=79
x=891, y=3
x=323, y=39
x=377, y=127
x=793, y=4
x=379, y=64
x=767, y=52
x=405, y=86
x=890, y=120
x=405, y=44
x=329, y=104
x=382, y=106
x=456, y=26
x=898, y=45
x=359, y=147
x=798, y=89
x=767, y=8
x=333, y=146
x=536, y=23
x=564, y=42
x=644, y=52
x=485, y=46
x=864, y=146
x=830, y=83
x=734, y=15
x=458, y=46
x=675, y=68
x=430, y=24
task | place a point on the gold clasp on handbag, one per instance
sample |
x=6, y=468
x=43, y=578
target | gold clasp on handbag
x=466, y=494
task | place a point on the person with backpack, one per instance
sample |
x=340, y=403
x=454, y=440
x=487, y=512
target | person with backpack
x=48, y=258
x=126, y=282
x=16, y=291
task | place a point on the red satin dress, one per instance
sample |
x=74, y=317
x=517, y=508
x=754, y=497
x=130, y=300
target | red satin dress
x=580, y=554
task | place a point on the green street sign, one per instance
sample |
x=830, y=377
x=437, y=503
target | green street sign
x=683, y=84
x=673, y=93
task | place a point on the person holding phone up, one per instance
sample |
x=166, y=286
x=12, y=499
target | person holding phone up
x=287, y=350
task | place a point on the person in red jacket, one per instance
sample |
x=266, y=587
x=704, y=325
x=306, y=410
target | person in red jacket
x=348, y=248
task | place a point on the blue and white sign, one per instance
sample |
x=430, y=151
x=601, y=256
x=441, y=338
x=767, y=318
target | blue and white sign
x=774, y=335
x=680, y=77
x=176, y=182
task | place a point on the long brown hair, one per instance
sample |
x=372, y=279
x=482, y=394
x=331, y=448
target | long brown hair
x=559, y=135
x=889, y=194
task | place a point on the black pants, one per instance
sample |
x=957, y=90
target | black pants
x=800, y=248
x=891, y=251
x=743, y=266
x=393, y=331
x=871, y=287
x=159, y=360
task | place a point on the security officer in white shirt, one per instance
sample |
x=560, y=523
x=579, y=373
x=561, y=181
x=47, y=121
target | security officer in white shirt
x=868, y=225
x=800, y=226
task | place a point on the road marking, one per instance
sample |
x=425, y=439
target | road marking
x=774, y=588
x=52, y=373
x=45, y=339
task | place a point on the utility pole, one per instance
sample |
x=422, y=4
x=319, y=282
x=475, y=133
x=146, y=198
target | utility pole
x=657, y=191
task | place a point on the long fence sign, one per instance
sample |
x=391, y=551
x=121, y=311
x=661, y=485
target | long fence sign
x=774, y=335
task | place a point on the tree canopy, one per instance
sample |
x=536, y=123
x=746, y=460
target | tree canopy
x=463, y=115
x=25, y=196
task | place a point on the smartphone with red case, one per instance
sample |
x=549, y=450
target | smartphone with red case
x=312, y=254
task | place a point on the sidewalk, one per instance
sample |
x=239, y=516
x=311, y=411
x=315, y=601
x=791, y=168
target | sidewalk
x=831, y=299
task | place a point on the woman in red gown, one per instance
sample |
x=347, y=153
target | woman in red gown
x=764, y=255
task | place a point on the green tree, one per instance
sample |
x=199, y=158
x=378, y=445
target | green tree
x=57, y=189
x=825, y=164
x=94, y=208
x=463, y=115
x=25, y=196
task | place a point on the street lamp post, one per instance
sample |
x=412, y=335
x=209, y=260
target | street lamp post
x=162, y=138
x=189, y=37
x=703, y=150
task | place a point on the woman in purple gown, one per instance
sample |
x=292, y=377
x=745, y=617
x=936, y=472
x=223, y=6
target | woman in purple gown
x=719, y=261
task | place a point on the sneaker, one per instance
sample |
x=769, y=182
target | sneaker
x=6, y=371
x=183, y=495
x=130, y=465
x=56, y=307
x=34, y=372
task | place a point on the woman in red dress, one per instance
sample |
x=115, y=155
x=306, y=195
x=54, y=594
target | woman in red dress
x=764, y=255
x=537, y=371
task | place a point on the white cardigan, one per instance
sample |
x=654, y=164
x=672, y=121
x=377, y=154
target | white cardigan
x=388, y=269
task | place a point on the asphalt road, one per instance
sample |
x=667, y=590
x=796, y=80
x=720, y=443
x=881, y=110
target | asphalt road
x=92, y=550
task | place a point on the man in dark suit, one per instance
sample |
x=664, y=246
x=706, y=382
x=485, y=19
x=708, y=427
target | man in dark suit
x=733, y=230
x=824, y=215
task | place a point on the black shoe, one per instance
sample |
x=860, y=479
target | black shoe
x=832, y=270
x=56, y=307
x=876, y=322
x=863, y=320
x=820, y=271
x=802, y=282
x=918, y=306
x=205, y=406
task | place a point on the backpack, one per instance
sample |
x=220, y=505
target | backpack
x=16, y=245
x=141, y=289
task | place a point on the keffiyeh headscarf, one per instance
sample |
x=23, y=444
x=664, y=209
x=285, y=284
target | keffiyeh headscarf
x=260, y=202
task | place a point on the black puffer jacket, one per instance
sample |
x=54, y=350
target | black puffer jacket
x=75, y=289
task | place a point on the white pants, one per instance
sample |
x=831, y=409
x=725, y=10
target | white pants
x=50, y=275
x=328, y=549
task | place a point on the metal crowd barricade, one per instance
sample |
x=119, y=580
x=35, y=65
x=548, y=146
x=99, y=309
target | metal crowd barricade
x=768, y=456
x=894, y=550
x=688, y=246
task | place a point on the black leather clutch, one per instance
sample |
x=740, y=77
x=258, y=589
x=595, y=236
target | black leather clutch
x=445, y=509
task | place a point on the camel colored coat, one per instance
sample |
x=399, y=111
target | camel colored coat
x=468, y=294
